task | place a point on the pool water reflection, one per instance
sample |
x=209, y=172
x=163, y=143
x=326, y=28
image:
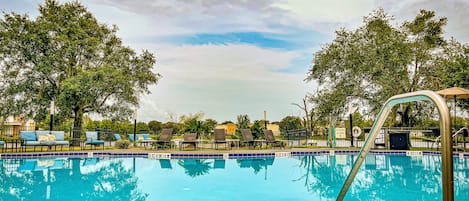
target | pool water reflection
x=313, y=177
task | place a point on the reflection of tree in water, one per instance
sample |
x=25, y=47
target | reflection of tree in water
x=195, y=167
x=322, y=176
x=113, y=182
x=416, y=179
x=257, y=164
x=109, y=182
x=14, y=185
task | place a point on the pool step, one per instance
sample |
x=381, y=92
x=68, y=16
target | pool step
x=159, y=155
x=414, y=153
x=283, y=154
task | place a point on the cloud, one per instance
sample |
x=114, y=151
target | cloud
x=224, y=81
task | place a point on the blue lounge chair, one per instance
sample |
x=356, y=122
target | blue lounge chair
x=117, y=137
x=92, y=139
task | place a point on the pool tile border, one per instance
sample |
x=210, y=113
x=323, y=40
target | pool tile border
x=84, y=154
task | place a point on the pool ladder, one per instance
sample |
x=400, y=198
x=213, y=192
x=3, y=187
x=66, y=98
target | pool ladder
x=446, y=139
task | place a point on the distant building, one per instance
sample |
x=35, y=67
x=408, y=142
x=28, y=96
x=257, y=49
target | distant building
x=13, y=125
x=231, y=128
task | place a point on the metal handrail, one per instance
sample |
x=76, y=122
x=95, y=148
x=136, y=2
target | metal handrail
x=460, y=131
x=445, y=124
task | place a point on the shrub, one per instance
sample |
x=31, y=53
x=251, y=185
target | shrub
x=122, y=144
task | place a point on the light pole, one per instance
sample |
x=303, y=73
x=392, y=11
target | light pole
x=265, y=120
x=135, y=126
x=52, y=107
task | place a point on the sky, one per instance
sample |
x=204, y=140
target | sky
x=226, y=58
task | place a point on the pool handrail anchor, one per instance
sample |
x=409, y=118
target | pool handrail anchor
x=446, y=140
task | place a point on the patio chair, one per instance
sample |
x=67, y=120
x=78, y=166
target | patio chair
x=247, y=138
x=220, y=138
x=189, y=138
x=165, y=138
x=270, y=139
x=92, y=139
x=117, y=136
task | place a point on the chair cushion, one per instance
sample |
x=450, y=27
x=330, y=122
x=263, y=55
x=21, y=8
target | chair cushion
x=59, y=135
x=38, y=133
x=2, y=142
x=95, y=142
x=28, y=135
x=91, y=135
x=43, y=138
x=61, y=142
x=146, y=136
x=131, y=137
x=42, y=135
x=32, y=143
x=117, y=136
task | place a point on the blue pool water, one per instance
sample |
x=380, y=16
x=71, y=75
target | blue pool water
x=312, y=177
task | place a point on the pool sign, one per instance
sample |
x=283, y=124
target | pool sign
x=340, y=133
x=356, y=131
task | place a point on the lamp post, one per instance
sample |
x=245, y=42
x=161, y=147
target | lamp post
x=52, y=107
x=135, y=126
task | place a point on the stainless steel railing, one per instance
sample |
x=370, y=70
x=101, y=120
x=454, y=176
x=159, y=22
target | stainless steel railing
x=446, y=141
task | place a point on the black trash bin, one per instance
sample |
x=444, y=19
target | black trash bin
x=399, y=140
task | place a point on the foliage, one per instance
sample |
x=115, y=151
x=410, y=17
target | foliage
x=155, y=126
x=290, y=123
x=142, y=127
x=177, y=127
x=67, y=56
x=243, y=121
x=227, y=122
x=366, y=66
x=257, y=129
x=122, y=144
x=210, y=124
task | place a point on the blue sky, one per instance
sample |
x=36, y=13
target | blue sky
x=226, y=58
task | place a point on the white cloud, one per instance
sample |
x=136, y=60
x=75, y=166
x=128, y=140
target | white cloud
x=224, y=81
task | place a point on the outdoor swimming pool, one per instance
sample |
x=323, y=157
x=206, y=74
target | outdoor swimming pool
x=308, y=177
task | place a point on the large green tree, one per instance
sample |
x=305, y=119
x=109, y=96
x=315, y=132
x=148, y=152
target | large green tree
x=65, y=55
x=366, y=66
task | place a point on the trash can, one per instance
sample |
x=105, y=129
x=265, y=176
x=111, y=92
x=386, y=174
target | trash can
x=399, y=140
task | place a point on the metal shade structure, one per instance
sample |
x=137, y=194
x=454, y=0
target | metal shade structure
x=455, y=93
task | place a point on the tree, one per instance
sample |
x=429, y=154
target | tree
x=155, y=126
x=192, y=123
x=65, y=55
x=210, y=124
x=257, y=128
x=367, y=66
x=243, y=121
x=290, y=123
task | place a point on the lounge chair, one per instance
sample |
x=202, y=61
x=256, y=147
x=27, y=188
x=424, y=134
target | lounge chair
x=189, y=138
x=220, y=138
x=247, y=138
x=165, y=138
x=92, y=139
x=117, y=137
x=270, y=139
